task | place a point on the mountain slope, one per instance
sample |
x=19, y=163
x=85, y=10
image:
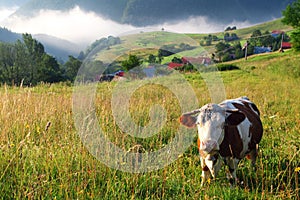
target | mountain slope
x=59, y=48
x=8, y=36
x=150, y=12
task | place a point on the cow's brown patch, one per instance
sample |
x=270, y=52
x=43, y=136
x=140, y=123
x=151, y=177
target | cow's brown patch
x=205, y=169
x=188, y=121
x=235, y=118
x=251, y=106
x=255, y=129
x=232, y=145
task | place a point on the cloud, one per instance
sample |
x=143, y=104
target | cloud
x=201, y=24
x=83, y=27
x=74, y=25
x=5, y=12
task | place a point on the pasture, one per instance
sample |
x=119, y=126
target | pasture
x=42, y=156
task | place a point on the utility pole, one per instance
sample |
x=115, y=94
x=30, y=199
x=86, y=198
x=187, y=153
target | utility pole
x=246, y=50
x=282, y=36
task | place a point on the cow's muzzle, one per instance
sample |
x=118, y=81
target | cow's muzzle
x=209, y=146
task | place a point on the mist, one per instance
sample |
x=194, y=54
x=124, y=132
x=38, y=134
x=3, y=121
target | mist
x=83, y=28
x=5, y=12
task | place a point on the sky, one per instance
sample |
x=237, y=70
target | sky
x=83, y=27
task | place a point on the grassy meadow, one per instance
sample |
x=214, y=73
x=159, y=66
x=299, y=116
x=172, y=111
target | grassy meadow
x=42, y=156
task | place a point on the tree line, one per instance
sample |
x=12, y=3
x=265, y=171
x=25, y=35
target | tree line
x=26, y=62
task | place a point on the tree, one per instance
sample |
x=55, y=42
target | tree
x=132, y=62
x=221, y=46
x=6, y=63
x=71, y=68
x=151, y=58
x=256, y=39
x=268, y=39
x=221, y=49
x=26, y=62
x=49, y=70
x=291, y=16
x=238, y=52
x=34, y=51
x=177, y=60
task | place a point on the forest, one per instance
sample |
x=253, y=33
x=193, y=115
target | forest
x=25, y=62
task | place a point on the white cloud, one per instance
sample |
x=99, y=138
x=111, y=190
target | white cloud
x=6, y=12
x=201, y=24
x=83, y=27
x=74, y=25
x=197, y=24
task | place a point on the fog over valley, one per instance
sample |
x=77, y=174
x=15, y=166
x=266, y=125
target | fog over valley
x=83, y=27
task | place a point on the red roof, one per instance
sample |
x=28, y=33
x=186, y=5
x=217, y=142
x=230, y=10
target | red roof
x=198, y=60
x=277, y=32
x=286, y=45
x=174, y=65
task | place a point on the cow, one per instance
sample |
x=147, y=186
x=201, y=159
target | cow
x=227, y=132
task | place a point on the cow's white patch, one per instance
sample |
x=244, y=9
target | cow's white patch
x=244, y=128
x=210, y=124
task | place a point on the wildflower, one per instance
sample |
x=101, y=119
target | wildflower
x=38, y=130
x=209, y=181
x=297, y=169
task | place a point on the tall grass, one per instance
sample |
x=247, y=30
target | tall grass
x=41, y=155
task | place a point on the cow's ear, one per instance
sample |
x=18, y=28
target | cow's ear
x=188, y=120
x=234, y=118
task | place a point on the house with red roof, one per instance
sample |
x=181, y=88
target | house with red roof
x=173, y=65
x=190, y=60
x=286, y=45
x=277, y=33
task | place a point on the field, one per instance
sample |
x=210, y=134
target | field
x=42, y=156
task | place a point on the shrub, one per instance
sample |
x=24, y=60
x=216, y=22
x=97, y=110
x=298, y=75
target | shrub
x=227, y=67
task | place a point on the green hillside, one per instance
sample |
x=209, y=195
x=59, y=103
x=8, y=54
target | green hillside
x=244, y=33
x=143, y=44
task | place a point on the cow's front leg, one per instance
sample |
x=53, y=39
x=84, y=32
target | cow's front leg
x=232, y=165
x=205, y=172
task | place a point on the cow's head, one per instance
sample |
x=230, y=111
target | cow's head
x=210, y=121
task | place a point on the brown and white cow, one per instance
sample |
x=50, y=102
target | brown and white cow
x=227, y=132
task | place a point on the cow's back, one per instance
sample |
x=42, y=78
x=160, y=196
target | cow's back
x=243, y=138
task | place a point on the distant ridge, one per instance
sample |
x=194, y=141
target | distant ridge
x=57, y=47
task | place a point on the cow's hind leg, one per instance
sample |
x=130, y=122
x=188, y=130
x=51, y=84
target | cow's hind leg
x=253, y=155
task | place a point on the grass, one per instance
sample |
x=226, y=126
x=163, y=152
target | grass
x=50, y=162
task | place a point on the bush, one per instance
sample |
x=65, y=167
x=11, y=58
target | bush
x=227, y=67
